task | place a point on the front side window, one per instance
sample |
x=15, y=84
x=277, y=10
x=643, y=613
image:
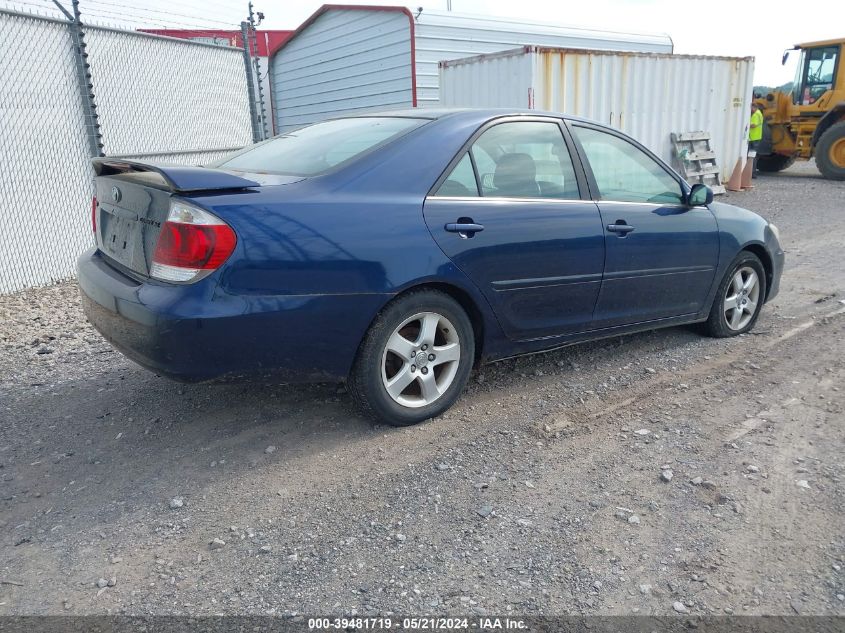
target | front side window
x=625, y=173
x=797, y=82
x=524, y=159
x=317, y=148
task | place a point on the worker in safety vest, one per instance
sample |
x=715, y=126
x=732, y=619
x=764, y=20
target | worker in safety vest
x=755, y=135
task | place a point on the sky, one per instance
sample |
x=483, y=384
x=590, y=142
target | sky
x=722, y=27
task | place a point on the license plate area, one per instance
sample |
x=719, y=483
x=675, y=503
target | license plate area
x=119, y=239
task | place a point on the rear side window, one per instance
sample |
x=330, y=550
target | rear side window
x=520, y=159
x=317, y=148
x=461, y=182
x=525, y=159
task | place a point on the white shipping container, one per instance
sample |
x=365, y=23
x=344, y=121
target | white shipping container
x=645, y=95
x=440, y=35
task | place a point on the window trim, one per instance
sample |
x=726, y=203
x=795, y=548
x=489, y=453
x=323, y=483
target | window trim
x=577, y=163
x=594, y=188
x=474, y=172
x=499, y=200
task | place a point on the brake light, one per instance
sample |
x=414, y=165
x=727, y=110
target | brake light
x=94, y=214
x=192, y=243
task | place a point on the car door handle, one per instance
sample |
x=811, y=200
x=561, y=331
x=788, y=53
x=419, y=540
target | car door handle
x=464, y=227
x=620, y=227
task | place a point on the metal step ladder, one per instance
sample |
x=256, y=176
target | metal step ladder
x=695, y=160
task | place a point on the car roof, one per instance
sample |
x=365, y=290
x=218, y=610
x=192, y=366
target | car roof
x=479, y=114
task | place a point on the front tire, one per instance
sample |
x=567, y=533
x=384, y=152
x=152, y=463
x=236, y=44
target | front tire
x=830, y=152
x=415, y=359
x=739, y=298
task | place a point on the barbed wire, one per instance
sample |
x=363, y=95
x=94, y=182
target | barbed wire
x=157, y=12
x=135, y=17
x=49, y=8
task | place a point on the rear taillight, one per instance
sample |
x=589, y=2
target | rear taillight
x=192, y=243
x=94, y=214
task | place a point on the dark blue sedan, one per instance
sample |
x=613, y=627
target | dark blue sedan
x=395, y=251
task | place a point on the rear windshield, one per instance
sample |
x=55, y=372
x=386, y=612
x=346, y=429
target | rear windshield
x=317, y=148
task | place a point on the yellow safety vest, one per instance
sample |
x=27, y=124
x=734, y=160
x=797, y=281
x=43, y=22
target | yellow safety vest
x=756, y=133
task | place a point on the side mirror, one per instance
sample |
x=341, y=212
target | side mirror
x=784, y=58
x=699, y=195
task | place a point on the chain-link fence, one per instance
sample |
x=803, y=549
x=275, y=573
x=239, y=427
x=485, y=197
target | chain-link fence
x=167, y=98
x=157, y=99
x=45, y=171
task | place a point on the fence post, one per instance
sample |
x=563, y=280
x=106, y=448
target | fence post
x=83, y=74
x=262, y=111
x=250, y=85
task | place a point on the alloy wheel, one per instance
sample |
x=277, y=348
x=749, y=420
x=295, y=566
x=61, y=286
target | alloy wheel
x=742, y=298
x=420, y=360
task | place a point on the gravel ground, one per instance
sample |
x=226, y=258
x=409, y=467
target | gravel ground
x=652, y=474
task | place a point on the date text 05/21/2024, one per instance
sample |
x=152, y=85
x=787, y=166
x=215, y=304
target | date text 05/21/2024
x=416, y=624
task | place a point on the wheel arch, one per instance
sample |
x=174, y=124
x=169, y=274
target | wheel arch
x=768, y=266
x=463, y=298
x=460, y=295
x=466, y=301
x=833, y=116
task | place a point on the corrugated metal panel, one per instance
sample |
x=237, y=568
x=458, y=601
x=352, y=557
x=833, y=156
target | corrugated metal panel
x=441, y=35
x=345, y=61
x=647, y=96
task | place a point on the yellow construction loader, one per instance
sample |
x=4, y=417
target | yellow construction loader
x=809, y=121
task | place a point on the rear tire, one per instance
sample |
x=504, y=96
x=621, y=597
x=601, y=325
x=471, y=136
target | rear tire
x=774, y=162
x=739, y=298
x=830, y=152
x=415, y=359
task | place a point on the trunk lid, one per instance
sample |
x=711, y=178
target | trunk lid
x=129, y=216
x=133, y=201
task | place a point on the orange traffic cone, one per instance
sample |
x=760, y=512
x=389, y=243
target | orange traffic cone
x=747, y=172
x=735, y=181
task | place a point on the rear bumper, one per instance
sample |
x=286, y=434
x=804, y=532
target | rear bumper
x=194, y=332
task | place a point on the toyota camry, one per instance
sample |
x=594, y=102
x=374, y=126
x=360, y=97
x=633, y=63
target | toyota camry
x=396, y=251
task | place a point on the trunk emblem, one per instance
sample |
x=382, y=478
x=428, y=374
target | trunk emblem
x=115, y=194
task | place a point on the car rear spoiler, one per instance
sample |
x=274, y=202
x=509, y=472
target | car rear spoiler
x=175, y=178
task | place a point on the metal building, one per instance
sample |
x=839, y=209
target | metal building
x=646, y=95
x=352, y=58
